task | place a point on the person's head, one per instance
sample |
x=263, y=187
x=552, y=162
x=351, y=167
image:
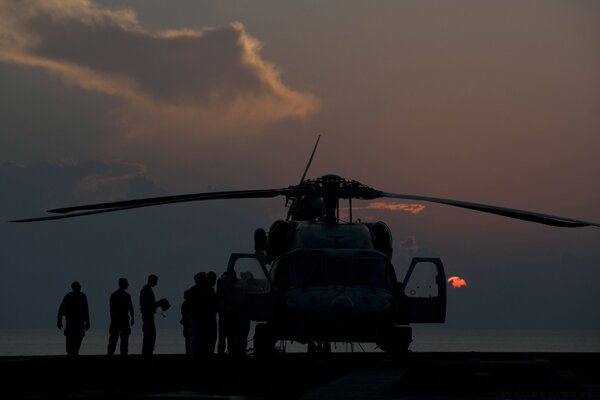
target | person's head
x=200, y=278
x=152, y=280
x=222, y=279
x=76, y=286
x=211, y=278
x=123, y=284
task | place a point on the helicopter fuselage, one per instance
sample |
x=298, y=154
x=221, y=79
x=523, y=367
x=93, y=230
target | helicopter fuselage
x=326, y=283
x=330, y=294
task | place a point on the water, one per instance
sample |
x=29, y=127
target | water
x=29, y=342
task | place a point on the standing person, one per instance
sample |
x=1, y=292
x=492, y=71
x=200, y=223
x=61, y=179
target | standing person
x=148, y=306
x=193, y=298
x=210, y=316
x=223, y=318
x=186, y=321
x=203, y=310
x=121, y=308
x=74, y=307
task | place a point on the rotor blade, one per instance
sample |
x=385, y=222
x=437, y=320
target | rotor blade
x=89, y=209
x=505, y=212
x=79, y=214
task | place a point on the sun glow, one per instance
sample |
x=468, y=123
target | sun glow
x=457, y=282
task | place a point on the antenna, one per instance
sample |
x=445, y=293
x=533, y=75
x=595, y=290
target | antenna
x=294, y=200
x=310, y=159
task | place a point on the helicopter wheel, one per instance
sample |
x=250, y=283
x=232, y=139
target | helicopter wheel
x=264, y=341
x=311, y=348
x=395, y=341
x=326, y=348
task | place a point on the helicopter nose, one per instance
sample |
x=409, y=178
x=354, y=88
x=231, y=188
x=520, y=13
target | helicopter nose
x=342, y=307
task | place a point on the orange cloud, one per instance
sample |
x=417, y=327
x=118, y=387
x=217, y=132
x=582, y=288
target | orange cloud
x=393, y=206
x=457, y=282
x=188, y=82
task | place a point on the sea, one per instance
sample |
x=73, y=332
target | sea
x=426, y=338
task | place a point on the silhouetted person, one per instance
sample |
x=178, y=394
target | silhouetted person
x=74, y=307
x=223, y=317
x=148, y=306
x=203, y=310
x=121, y=308
x=186, y=321
x=211, y=311
x=233, y=331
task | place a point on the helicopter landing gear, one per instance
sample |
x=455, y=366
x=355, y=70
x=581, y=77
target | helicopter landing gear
x=318, y=348
x=264, y=341
x=395, y=341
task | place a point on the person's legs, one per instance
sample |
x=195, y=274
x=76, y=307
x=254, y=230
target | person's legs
x=124, y=342
x=113, y=337
x=149, y=331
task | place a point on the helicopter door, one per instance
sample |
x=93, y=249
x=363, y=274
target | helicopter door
x=248, y=288
x=422, y=295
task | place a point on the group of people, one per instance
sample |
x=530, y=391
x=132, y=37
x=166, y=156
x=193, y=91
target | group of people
x=199, y=319
x=198, y=316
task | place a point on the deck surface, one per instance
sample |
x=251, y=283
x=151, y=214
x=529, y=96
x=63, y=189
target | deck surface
x=300, y=376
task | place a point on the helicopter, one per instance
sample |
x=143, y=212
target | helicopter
x=314, y=278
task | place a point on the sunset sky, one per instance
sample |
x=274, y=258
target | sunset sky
x=490, y=102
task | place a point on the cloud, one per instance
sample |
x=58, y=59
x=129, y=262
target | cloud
x=412, y=208
x=39, y=186
x=188, y=82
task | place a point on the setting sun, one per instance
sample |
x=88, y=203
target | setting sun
x=457, y=282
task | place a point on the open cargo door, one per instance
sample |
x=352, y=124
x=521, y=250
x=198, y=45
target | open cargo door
x=422, y=294
x=249, y=291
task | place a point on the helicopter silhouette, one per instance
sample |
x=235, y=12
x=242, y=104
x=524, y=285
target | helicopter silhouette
x=316, y=279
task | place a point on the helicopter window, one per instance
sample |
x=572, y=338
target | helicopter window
x=422, y=281
x=303, y=270
x=370, y=271
x=250, y=277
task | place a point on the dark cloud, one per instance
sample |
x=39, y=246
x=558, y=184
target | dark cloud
x=43, y=185
x=193, y=81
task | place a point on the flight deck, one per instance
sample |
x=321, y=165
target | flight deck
x=304, y=376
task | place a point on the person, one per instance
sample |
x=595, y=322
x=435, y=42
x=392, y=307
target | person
x=148, y=306
x=121, y=308
x=211, y=312
x=74, y=307
x=223, y=318
x=233, y=329
x=203, y=311
x=193, y=299
x=186, y=321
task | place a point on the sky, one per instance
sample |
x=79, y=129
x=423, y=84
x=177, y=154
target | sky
x=491, y=102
